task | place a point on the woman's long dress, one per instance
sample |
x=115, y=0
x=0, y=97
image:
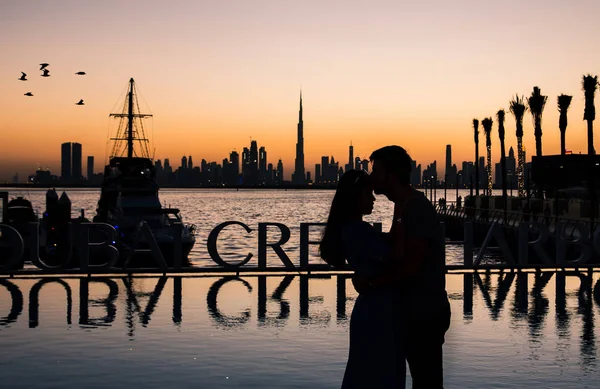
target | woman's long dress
x=373, y=355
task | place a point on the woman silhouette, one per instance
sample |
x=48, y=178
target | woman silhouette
x=373, y=350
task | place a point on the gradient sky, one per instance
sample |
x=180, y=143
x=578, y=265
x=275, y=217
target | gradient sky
x=215, y=73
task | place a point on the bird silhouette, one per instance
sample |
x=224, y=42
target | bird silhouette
x=46, y=73
x=80, y=102
x=80, y=73
x=23, y=76
x=43, y=66
x=28, y=94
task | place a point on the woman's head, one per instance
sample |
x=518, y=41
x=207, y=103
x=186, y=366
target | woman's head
x=353, y=198
x=353, y=195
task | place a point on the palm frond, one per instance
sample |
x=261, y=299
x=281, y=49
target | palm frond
x=563, y=101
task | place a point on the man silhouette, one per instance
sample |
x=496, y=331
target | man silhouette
x=422, y=307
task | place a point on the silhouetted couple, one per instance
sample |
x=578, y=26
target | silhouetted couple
x=402, y=311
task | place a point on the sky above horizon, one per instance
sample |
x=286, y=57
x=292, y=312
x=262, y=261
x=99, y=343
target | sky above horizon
x=217, y=73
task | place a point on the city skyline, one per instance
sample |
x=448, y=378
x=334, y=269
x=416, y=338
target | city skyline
x=369, y=74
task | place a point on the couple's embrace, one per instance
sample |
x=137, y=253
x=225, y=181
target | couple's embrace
x=402, y=311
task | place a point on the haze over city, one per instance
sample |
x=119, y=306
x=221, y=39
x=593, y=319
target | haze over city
x=215, y=74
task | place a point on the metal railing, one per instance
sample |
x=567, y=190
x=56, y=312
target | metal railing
x=514, y=219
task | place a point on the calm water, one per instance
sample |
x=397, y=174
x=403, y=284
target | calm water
x=508, y=330
x=206, y=208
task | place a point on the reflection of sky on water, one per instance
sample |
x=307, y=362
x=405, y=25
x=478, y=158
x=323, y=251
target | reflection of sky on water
x=508, y=330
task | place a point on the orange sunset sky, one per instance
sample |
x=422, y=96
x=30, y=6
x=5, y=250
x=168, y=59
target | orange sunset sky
x=215, y=73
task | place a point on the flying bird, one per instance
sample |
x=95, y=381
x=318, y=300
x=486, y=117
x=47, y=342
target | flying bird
x=80, y=102
x=43, y=66
x=28, y=94
x=23, y=76
x=80, y=73
x=46, y=73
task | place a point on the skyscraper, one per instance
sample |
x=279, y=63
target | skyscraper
x=245, y=164
x=270, y=174
x=451, y=170
x=279, y=173
x=251, y=177
x=299, y=177
x=234, y=158
x=65, y=162
x=317, y=173
x=511, y=168
x=351, y=157
x=76, y=164
x=184, y=162
x=262, y=164
x=90, y=168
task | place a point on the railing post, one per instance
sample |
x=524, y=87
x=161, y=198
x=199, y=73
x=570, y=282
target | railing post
x=468, y=245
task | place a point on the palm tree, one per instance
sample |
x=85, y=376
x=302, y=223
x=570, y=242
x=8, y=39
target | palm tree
x=564, y=101
x=476, y=133
x=518, y=109
x=536, y=103
x=590, y=84
x=501, y=114
x=487, y=128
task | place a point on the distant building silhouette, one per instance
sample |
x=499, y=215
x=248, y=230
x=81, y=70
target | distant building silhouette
x=43, y=177
x=71, y=163
x=318, y=173
x=65, y=162
x=415, y=173
x=511, y=176
x=270, y=174
x=90, y=168
x=279, y=173
x=330, y=170
x=430, y=174
x=262, y=165
x=467, y=175
x=299, y=176
x=234, y=158
x=350, y=164
x=451, y=170
x=77, y=173
x=365, y=165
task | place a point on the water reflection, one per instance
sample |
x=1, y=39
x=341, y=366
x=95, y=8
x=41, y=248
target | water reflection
x=220, y=319
x=107, y=303
x=277, y=296
x=34, y=296
x=576, y=297
x=17, y=302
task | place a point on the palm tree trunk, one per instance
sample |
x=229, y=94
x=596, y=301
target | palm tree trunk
x=476, y=169
x=563, y=147
x=590, y=130
x=520, y=166
x=538, y=137
x=488, y=169
x=503, y=167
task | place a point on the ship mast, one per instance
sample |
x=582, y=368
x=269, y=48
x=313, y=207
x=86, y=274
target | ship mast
x=130, y=119
x=131, y=135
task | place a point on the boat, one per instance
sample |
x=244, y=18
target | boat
x=129, y=198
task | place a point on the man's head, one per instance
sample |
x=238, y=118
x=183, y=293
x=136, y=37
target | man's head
x=391, y=169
